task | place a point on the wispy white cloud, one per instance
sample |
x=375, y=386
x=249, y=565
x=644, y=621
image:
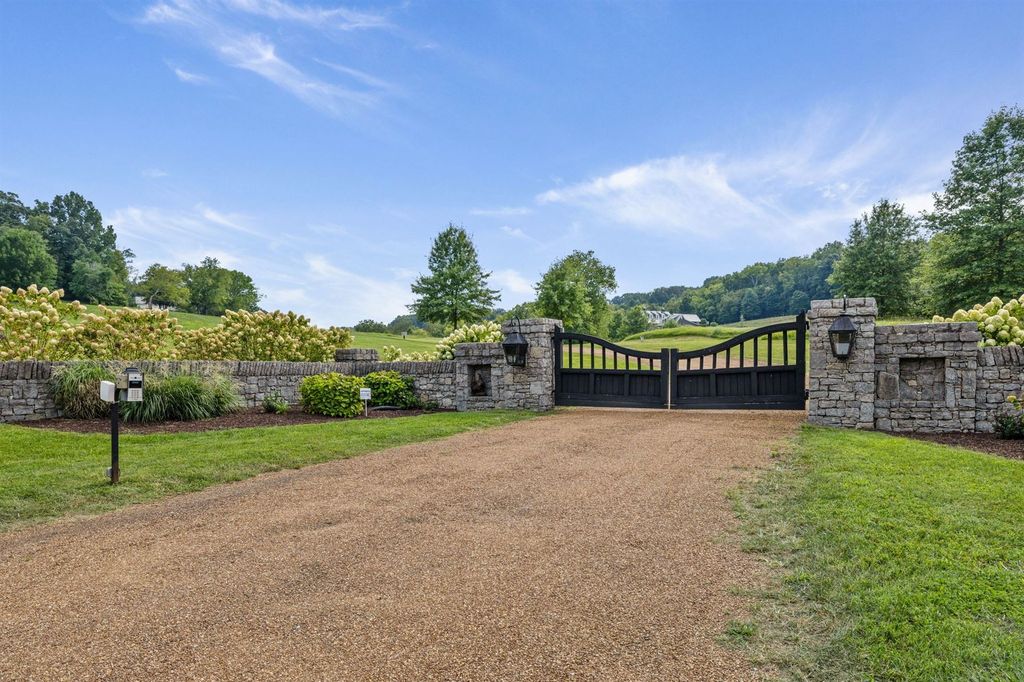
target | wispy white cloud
x=189, y=77
x=199, y=224
x=365, y=297
x=213, y=25
x=341, y=18
x=511, y=281
x=502, y=211
x=515, y=232
x=800, y=189
x=154, y=173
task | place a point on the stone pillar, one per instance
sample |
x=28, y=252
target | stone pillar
x=484, y=381
x=356, y=355
x=842, y=392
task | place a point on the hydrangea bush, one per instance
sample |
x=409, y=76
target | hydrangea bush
x=263, y=336
x=998, y=322
x=37, y=324
x=122, y=334
x=484, y=332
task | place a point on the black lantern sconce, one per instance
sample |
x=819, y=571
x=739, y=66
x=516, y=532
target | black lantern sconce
x=842, y=335
x=515, y=346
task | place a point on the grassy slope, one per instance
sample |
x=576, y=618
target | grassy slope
x=47, y=474
x=186, y=320
x=411, y=344
x=902, y=560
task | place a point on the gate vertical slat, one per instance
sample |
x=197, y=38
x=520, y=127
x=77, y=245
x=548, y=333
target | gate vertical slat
x=801, y=350
x=667, y=376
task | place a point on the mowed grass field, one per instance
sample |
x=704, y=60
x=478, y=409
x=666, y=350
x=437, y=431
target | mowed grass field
x=186, y=320
x=410, y=344
x=897, y=559
x=47, y=474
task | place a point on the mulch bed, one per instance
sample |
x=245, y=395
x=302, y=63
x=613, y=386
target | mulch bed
x=983, y=442
x=239, y=420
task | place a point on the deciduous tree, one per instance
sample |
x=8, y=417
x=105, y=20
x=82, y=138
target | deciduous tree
x=575, y=290
x=164, y=286
x=24, y=259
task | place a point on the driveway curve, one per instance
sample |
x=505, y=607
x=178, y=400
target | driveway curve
x=588, y=544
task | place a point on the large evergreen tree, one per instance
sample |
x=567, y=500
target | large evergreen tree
x=978, y=247
x=881, y=255
x=455, y=292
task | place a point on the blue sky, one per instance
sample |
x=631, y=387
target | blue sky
x=319, y=147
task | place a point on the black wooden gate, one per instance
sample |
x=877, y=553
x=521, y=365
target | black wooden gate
x=760, y=369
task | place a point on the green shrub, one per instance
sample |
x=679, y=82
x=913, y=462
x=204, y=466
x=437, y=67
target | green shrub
x=391, y=388
x=182, y=397
x=331, y=394
x=76, y=390
x=275, y=404
x=371, y=326
x=1010, y=424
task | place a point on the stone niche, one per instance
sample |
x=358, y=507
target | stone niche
x=479, y=377
x=922, y=379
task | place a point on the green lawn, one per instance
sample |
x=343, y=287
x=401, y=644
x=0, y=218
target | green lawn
x=899, y=560
x=48, y=474
x=410, y=344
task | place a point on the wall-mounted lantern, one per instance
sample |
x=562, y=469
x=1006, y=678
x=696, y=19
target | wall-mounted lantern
x=515, y=346
x=842, y=335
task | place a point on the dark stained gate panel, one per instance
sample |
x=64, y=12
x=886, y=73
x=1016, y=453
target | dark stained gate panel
x=760, y=369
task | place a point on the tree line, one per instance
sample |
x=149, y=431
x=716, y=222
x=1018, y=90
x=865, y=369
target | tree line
x=64, y=244
x=969, y=248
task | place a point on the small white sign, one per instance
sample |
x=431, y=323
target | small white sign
x=135, y=395
x=364, y=394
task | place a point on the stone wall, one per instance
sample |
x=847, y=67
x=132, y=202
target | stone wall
x=932, y=378
x=842, y=392
x=1000, y=374
x=25, y=388
x=927, y=377
x=25, y=391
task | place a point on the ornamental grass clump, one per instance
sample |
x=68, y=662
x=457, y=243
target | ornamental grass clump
x=999, y=323
x=76, y=389
x=331, y=394
x=183, y=397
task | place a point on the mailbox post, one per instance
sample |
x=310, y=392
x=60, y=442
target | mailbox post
x=129, y=387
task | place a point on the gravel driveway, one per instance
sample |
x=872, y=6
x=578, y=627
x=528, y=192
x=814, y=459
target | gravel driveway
x=591, y=544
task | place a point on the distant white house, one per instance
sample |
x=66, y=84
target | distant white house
x=141, y=302
x=660, y=317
